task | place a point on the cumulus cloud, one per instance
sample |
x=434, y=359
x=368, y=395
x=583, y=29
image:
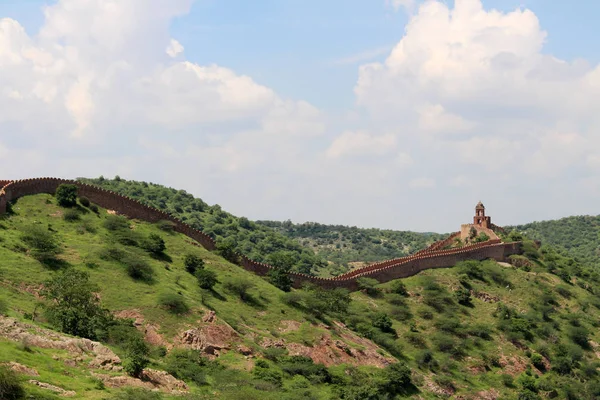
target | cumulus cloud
x=466, y=105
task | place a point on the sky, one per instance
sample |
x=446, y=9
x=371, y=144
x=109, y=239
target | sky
x=397, y=114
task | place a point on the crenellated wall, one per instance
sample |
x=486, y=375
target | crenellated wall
x=432, y=257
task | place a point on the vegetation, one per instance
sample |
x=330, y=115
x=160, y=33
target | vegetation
x=10, y=386
x=66, y=195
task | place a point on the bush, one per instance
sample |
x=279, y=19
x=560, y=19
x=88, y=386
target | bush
x=300, y=365
x=136, y=357
x=137, y=394
x=3, y=307
x=396, y=379
x=84, y=201
x=240, y=287
x=116, y=222
x=10, y=386
x=192, y=263
x=538, y=361
x=187, y=365
x=42, y=243
x=94, y=208
x=66, y=195
x=263, y=372
x=580, y=336
x=368, y=285
x=383, y=322
x=71, y=215
x=154, y=244
x=463, y=296
x=206, y=279
x=280, y=278
x=166, y=226
x=138, y=269
x=398, y=287
x=174, y=303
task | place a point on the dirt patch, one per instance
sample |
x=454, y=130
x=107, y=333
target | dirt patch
x=211, y=338
x=289, y=326
x=150, y=331
x=52, y=388
x=21, y=369
x=513, y=365
x=485, y=297
x=433, y=387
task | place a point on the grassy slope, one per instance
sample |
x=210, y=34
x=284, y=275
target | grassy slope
x=119, y=292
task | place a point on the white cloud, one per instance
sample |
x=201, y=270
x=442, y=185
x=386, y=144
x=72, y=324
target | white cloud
x=361, y=143
x=174, y=48
x=397, y=4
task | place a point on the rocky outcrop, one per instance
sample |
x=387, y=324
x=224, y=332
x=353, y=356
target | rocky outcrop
x=103, y=357
x=22, y=369
x=150, y=379
x=150, y=331
x=52, y=388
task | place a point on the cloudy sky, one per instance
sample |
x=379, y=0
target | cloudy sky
x=393, y=114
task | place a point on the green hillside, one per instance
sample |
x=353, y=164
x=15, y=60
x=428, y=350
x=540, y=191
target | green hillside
x=478, y=330
x=577, y=236
x=349, y=247
x=308, y=248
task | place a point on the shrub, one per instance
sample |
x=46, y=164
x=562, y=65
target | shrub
x=206, y=279
x=116, y=222
x=84, y=201
x=263, y=372
x=480, y=330
x=174, y=303
x=94, y=208
x=398, y=287
x=300, y=365
x=187, y=365
x=368, y=285
x=280, y=278
x=396, y=379
x=42, y=243
x=166, y=226
x=240, y=287
x=425, y=359
x=274, y=353
x=3, y=307
x=136, y=357
x=538, y=361
x=138, y=268
x=10, y=386
x=66, y=195
x=192, y=263
x=507, y=380
x=154, y=244
x=463, y=296
x=71, y=215
x=383, y=322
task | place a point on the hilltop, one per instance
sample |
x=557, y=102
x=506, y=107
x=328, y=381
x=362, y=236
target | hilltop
x=478, y=330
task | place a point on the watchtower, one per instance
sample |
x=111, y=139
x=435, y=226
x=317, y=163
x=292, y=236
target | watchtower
x=480, y=218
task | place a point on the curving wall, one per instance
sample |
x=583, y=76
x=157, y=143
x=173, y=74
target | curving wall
x=384, y=271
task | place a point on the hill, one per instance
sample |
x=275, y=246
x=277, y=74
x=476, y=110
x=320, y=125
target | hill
x=350, y=247
x=307, y=248
x=478, y=330
x=577, y=236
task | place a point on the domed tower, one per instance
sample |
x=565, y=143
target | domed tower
x=480, y=217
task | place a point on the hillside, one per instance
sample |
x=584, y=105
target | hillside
x=577, y=236
x=306, y=248
x=478, y=330
x=349, y=247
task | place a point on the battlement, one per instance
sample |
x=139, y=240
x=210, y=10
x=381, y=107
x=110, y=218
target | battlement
x=435, y=256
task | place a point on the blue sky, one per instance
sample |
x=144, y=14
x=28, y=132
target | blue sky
x=313, y=109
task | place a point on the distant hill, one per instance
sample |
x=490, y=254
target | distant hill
x=308, y=248
x=351, y=246
x=577, y=236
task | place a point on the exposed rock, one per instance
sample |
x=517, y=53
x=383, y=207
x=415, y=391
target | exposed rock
x=135, y=315
x=486, y=297
x=244, y=350
x=290, y=326
x=433, y=387
x=268, y=342
x=150, y=331
x=209, y=339
x=513, y=365
x=22, y=369
x=209, y=317
x=55, y=389
x=150, y=379
x=104, y=358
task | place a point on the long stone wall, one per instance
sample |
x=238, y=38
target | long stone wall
x=432, y=257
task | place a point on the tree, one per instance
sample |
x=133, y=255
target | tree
x=73, y=307
x=154, y=244
x=192, y=263
x=398, y=287
x=282, y=259
x=240, y=287
x=226, y=249
x=368, y=285
x=136, y=357
x=66, y=195
x=396, y=378
x=280, y=279
x=206, y=279
x=383, y=322
x=42, y=243
x=10, y=386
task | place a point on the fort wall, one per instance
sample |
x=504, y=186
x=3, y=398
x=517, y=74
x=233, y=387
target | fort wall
x=433, y=257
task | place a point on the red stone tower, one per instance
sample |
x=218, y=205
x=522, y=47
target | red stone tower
x=480, y=217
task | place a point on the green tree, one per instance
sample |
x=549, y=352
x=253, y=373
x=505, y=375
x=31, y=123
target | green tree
x=154, y=244
x=72, y=306
x=398, y=287
x=280, y=279
x=66, y=195
x=206, y=279
x=226, y=249
x=10, y=386
x=192, y=263
x=136, y=357
x=368, y=285
x=396, y=378
x=383, y=322
x=42, y=243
